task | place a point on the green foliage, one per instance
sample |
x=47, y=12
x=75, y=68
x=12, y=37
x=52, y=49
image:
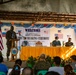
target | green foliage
x=62, y=63
x=31, y=61
x=48, y=58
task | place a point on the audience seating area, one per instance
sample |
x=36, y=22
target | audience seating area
x=34, y=60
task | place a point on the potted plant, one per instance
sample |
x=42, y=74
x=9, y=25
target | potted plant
x=48, y=58
x=31, y=61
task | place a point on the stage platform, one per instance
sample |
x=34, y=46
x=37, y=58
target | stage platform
x=63, y=52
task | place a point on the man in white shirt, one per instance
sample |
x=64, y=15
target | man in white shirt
x=57, y=67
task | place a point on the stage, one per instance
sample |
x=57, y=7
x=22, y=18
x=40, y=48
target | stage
x=63, y=52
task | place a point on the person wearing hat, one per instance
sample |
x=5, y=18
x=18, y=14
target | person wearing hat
x=41, y=64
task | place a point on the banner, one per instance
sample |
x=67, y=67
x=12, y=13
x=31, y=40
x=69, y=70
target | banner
x=33, y=35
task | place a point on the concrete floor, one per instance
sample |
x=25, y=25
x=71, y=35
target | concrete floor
x=10, y=64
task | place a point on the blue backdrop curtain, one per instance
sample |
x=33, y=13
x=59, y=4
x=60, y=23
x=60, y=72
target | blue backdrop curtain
x=41, y=25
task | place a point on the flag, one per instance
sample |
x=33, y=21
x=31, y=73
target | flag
x=56, y=35
x=68, y=36
x=6, y=29
x=59, y=31
x=46, y=32
x=1, y=41
x=59, y=35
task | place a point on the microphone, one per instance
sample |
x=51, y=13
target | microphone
x=63, y=43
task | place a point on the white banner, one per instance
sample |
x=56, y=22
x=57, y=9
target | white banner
x=33, y=35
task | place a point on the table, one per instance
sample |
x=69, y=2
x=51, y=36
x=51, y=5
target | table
x=63, y=52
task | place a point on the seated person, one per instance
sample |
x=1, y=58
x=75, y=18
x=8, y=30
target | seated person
x=27, y=71
x=56, y=42
x=38, y=43
x=25, y=43
x=68, y=70
x=73, y=63
x=19, y=63
x=3, y=67
x=41, y=64
x=69, y=43
x=52, y=73
x=15, y=70
x=57, y=68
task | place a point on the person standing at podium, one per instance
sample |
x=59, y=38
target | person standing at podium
x=10, y=35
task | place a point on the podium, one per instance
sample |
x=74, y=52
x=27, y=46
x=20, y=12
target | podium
x=14, y=49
